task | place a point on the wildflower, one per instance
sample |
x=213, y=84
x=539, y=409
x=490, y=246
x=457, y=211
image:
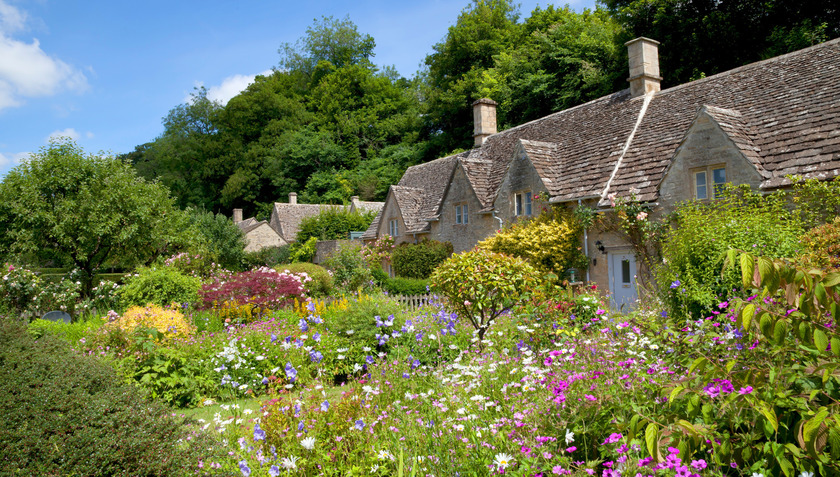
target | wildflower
x=259, y=434
x=675, y=284
x=274, y=471
x=316, y=356
x=289, y=463
x=698, y=464
x=502, y=460
x=291, y=372
x=359, y=425
x=570, y=437
x=325, y=405
x=806, y=473
x=385, y=455
x=614, y=437
x=641, y=216
x=308, y=443
x=243, y=467
x=745, y=390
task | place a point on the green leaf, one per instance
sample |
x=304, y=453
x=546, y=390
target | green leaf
x=747, y=267
x=835, y=346
x=831, y=280
x=820, y=340
x=674, y=393
x=652, y=440
x=698, y=364
x=746, y=316
x=766, y=324
x=768, y=412
x=780, y=332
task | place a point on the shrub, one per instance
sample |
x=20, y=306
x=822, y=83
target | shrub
x=821, y=246
x=406, y=286
x=259, y=290
x=67, y=414
x=160, y=286
x=169, y=322
x=419, y=260
x=349, y=268
x=223, y=241
x=268, y=257
x=333, y=224
x=480, y=285
x=321, y=283
x=69, y=332
x=550, y=242
x=693, y=249
x=303, y=251
x=359, y=318
x=18, y=289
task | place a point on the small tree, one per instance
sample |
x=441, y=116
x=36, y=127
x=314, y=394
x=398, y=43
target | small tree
x=333, y=224
x=481, y=285
x=85, y=211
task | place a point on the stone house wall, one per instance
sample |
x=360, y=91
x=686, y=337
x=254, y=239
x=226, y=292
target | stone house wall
x=479, y=226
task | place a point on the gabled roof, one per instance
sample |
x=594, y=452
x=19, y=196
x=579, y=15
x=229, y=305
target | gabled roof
x=286, y=218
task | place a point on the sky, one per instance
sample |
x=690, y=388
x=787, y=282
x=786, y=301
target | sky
x=105, y=73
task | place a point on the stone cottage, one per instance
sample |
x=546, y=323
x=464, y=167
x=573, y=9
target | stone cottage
x=752, y=125
x=284, y=223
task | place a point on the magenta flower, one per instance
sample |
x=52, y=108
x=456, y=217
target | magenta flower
x=746, y=390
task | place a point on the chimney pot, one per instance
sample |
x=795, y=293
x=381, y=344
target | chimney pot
x=643, y=57
x=293, y=198
x=354, y=201
x=484, y=119
x=237, y=216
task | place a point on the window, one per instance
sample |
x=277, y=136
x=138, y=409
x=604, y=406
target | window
x=393, y=228
x=704, y=188
x=462, y=214
x=523, y=203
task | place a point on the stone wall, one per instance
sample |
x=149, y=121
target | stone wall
x=325, y=248
x=521, y=177
x=462, y=236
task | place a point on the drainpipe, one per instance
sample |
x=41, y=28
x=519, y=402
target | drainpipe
x=585, y=246
x=501, y=224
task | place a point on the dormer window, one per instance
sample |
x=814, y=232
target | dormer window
x=522, y=203
x=393, y=228
x=462, y=214
x=709, y=182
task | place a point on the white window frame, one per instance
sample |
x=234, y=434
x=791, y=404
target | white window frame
x=523, y=203
x=393, y=227
x=462, y=214
x=710, y=187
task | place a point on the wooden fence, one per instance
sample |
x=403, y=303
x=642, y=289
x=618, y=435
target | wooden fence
x=413, y=302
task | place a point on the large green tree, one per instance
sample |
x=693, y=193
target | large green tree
x=86, y=210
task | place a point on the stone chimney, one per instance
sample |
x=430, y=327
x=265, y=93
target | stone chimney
x=484, y=119
x=237, y=216
x=293, y=198
x=644, y=66
x=355, y=203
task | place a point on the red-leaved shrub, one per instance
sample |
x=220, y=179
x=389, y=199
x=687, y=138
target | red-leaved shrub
x=260, y=290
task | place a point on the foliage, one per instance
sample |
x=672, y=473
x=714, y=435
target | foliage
x=350, y=270
x=419, y=260
x=158, y=285
x=303, y=251
x=223, y=241
x=170, y=376
x=18, y=290
x=42, y=434
x=481, y=285
x=705, y=38
x=816, y=202
x=551, y=242
x=821, y=246
x=406, y=286
x=86, y=211
x=333, y=224
x=261, y=290
x=68, y=332
x=378, y=251
x=320, y=283
x=268, y=256
x=168, y=322
x=693, y=248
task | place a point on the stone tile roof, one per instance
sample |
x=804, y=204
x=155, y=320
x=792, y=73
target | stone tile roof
x=245, y=224
x=286, y=218
x=730, y=121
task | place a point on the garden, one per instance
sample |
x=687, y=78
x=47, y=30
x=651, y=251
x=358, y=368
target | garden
x=728, y=367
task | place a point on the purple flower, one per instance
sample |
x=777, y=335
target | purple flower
x=698, y=464
x=274, y=471
x=325, y=405
x=243, y=466
x=291, y=372
x=746, y=390
x=316, y=356
x=614, y=437
x=317, y=337
x=304, y=326
x=359, y=425
x=675, y=284
x=259, y=434
x=370, y=359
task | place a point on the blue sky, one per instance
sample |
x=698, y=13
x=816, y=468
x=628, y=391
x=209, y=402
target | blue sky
x=106, y=72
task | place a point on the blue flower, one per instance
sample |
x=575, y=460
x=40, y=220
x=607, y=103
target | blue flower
x=360, y=424
x=243, y=466
x=317, y=337
x=259, y=434
x=291, y=372
x=370, y=359
x=274, y=471
x=304, y=326
x=300, y=426
x=325, y=406
x=316, y=356
x=273, y=337
x=675, y=284
x=310, y=306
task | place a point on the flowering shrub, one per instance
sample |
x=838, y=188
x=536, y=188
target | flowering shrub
x=378, y=251
x=481, y=285
x=349, y=270
x=194, y=265
x=18, y=289
x=550, y=242
x=821, y=246
x=321, y=283
x=169, y=322
x=262, y=290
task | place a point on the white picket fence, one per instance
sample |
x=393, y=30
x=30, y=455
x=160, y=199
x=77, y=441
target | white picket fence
x=413, y=302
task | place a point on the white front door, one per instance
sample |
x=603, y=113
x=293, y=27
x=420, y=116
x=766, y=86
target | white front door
x=623, y=281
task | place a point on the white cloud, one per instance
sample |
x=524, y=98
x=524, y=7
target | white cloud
x=27, y=71
x=230, y=87
x=69, y=132
x=11, y=160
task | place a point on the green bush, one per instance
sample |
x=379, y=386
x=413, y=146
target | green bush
x=821, y=246
x=158, y=285
x=349, y=268
x=223, y=241
x=303, y=251
x=481, y=285
x=267, y=257
x=322, y=282
x=333, y=224
x=690, y=277
x=406, y=286
x=68, y=414
x=69, y=332
x=419, y=260
x=359, y=318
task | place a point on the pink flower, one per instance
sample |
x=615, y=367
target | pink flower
x=600, y=311
x=746, y=390
x=641, y=216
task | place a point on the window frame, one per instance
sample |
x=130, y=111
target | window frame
x=712, y=188
x=393, y=228
x=462, y=214
x=523, y=203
